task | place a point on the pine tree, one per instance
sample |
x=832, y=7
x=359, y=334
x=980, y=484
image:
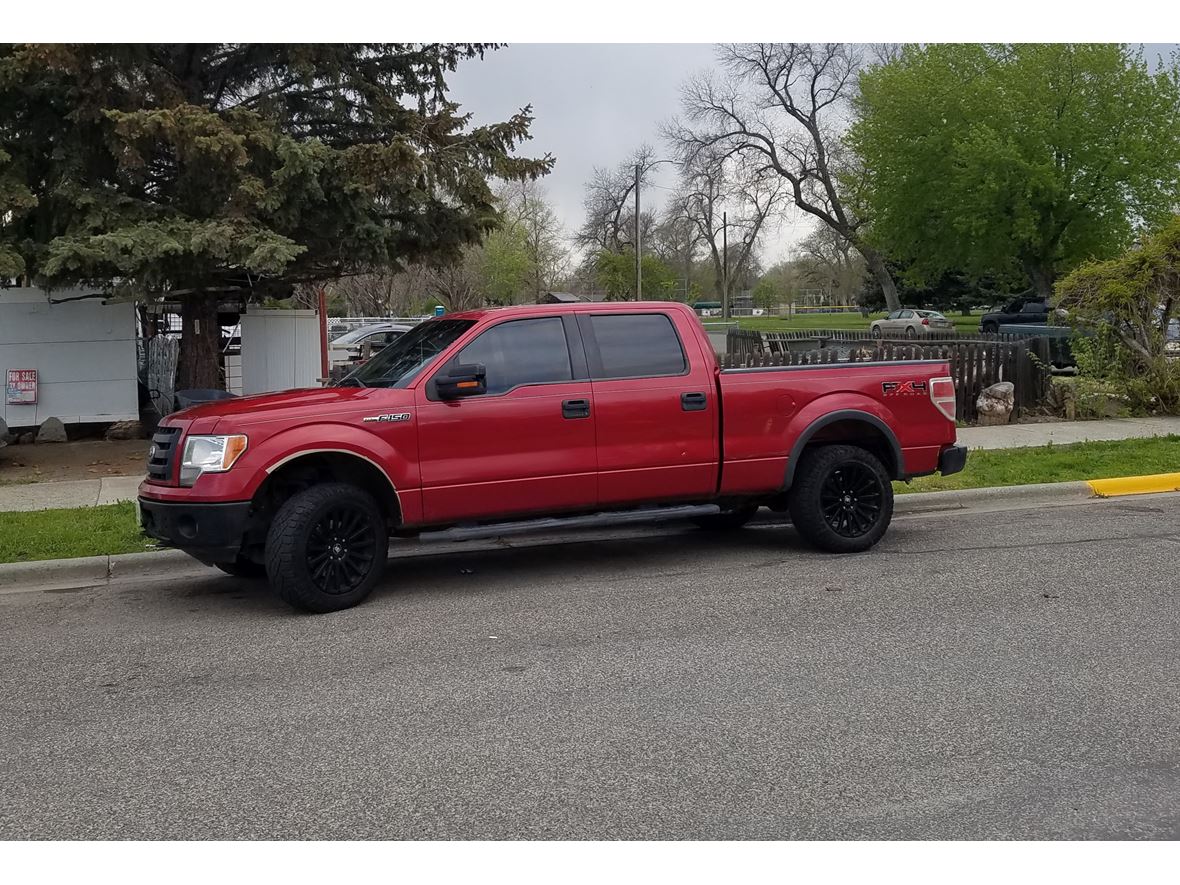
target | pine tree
x=212, y=171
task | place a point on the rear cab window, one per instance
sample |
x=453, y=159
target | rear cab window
x=633, y=345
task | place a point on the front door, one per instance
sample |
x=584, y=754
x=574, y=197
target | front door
x=525, y=446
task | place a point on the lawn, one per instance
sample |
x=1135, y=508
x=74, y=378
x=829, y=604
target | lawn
x=62, y=534
x=1086, y=460
x=844, y=321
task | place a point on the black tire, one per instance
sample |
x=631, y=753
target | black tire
x=910, y=333
x=727, y=520
x=842, y=499
x=990, y=328
x=326, y=548
x=243, y=568
x=877, y=332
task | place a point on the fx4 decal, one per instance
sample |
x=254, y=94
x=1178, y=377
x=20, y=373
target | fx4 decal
x=903, y=388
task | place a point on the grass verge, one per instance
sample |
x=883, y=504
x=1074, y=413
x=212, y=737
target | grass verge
x=1085, y=460
x=64, y=534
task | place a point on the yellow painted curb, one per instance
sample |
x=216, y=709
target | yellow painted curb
x=1135, y=485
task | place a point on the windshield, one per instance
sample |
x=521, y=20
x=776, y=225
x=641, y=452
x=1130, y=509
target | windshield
x=397, y=364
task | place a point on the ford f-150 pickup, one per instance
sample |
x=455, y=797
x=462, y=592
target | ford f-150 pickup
x=508, y=414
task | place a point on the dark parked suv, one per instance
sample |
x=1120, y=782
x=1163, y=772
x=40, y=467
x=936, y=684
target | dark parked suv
x=1017, y=311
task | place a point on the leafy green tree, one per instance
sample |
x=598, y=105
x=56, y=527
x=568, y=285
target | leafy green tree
x=212, y=171
x=1025, y=158
x=1130, y=302
x=505, y=266
x=615, y=272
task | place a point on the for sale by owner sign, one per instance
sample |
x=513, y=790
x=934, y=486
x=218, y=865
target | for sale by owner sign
x=21, y=389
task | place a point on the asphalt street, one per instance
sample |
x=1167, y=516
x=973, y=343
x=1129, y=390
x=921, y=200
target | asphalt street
x=1002, y=674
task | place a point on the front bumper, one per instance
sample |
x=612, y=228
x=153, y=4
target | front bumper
x=952, y=459
x=209, y=532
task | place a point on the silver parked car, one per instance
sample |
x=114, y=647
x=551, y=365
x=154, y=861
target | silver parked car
x=911, y=323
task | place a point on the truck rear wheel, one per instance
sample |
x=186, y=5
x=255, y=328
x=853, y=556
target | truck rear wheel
x=842, y=498
x=326, y=548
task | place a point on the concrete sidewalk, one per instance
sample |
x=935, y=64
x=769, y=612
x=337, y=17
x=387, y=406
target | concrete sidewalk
x=1014, y=436
x=77, y=493
x=111, y=489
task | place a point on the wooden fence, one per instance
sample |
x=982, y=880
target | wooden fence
x=974, y=365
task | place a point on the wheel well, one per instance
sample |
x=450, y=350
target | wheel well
x=857, y=430
x=319, y=467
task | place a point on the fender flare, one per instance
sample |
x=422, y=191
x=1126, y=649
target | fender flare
x=896, y=469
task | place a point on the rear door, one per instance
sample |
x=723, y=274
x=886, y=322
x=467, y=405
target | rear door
x=525, y=446
x=655, y=406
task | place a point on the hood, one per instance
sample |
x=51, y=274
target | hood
x=304, y=403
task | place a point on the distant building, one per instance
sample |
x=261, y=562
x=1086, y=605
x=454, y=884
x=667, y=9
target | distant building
x=561, y=298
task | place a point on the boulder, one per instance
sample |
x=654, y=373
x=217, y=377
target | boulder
x=26, y=438
x=52, y=431
x=995, y=403
x=125, y=430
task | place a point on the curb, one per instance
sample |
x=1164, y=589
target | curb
x=101, y=571
x=93, y=571
x=1135, y=485
x=994, y=497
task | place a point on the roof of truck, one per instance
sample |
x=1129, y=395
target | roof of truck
x=578, y=307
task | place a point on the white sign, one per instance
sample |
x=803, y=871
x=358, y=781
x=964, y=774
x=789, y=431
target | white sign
x=21, y=389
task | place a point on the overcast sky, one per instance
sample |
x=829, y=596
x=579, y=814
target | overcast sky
x=595, y=103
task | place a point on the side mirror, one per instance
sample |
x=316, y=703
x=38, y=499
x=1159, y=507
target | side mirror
x=460, y=381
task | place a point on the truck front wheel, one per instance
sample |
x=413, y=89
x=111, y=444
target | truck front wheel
x=326, y=548
x=842, y=498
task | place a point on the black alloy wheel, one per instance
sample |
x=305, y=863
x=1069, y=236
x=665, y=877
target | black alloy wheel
x=340, y=549
x=841, y=500
x=851, y=498
x=326, y=547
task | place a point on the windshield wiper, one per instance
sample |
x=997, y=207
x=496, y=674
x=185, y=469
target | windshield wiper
x=349, y=381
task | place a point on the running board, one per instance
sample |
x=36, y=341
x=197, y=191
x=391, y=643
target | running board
x=562, y=523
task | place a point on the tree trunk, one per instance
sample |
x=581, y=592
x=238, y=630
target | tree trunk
x=1041, y=275
x=880, y=272
x=198, y=364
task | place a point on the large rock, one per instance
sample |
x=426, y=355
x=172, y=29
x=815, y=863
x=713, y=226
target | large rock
x=3, y=434
x=995, y=403
x=51, y=431
x=26, y=439
x=125, y=430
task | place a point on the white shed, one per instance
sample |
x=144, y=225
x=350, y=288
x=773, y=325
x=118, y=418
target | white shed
x=83, y=353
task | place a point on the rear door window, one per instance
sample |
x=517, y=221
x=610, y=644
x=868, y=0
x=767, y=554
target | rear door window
x=637, y=346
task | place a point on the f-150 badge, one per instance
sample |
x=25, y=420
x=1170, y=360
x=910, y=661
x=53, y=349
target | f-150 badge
x=384, y=419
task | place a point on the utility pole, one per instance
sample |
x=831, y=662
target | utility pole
x=638, y=244
x=724, y=265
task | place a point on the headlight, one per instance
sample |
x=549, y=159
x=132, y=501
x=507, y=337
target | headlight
x=209, y=454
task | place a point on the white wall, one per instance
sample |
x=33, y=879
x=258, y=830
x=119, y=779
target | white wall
x=83, y=351
x=280, y=350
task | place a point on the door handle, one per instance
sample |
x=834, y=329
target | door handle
x=575, y=408
x=693, y=402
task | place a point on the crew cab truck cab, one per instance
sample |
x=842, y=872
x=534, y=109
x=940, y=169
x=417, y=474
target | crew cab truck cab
x=497, y=415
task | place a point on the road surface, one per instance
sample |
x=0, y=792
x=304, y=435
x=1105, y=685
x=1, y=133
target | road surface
x=1005, y=674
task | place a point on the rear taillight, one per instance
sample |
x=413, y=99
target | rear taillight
x=942, y=394
x=925, y=321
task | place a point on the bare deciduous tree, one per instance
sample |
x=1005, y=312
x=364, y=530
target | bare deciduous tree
x=785, y=107
x=712, y=184
x=610, y=205
x=526, y=206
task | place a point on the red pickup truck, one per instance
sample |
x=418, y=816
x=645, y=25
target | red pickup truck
x=507, y=414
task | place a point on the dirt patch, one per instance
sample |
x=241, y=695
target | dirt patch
x=85, y=459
